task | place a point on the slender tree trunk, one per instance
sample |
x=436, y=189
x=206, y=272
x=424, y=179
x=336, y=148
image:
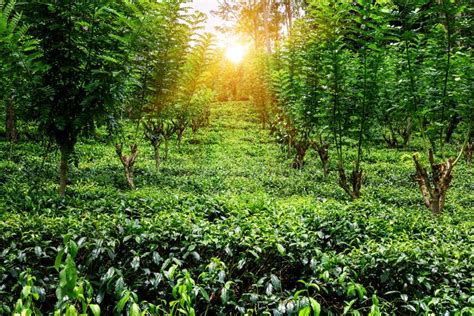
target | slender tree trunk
x=156, y=148
x=406, y=133
x=180, y=137
x=325, y=166
x=289, y=14
x=167, y=149
x=10, y=128
x=444, y=100
x=266, y=25
x=63, y=169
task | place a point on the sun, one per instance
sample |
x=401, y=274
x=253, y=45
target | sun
x=235, y=52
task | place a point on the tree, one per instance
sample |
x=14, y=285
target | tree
x=85, y=78
x=171, y=38
x=447, y=96
x=194, y=93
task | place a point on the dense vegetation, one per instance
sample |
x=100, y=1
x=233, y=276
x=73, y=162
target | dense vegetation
x=287, y=184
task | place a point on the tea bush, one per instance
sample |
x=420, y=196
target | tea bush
x=228, y=227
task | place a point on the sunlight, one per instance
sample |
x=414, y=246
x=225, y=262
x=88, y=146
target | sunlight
x=235, y=52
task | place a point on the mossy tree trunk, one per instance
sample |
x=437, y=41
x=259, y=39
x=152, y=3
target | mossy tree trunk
x=10, y=123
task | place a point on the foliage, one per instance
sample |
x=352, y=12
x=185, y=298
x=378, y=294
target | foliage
x=226, y=227
x=232, y=230
x=350, y=73
x=18, y=64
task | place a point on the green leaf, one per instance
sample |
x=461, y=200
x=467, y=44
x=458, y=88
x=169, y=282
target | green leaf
x=109, y=59
x=281, y=249
x=73, y=248
x=122, y=302
x=25, y=292
x=95, y=309
x=59, y=258
x=135, y=310
x=204, y=294
x=135, y=263
x=275, y=282
x=306, y=311
x=71, y=311
x=70, y=273
x=315, y=306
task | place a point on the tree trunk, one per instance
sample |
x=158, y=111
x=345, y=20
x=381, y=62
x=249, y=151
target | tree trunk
x=180, y=137
x=301, y=149
x=298, y=162
x=128, y=163
x=63, y=170
x=289, y=15
x=167, y=149
x=156, y=148
x=323, y=151
x=356, y=181
x=434, y=190
x=406, y=133
x=266, y=26
x=10, y=128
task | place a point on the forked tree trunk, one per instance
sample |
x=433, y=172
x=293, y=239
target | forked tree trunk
x=301, y=149
x=434, y=190
x=468, y=149
x=10, y=123
x=128, y=162
x=323, y=151
x=352, y=188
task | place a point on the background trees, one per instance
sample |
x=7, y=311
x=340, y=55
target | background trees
x=98, y=62
x=348, y=74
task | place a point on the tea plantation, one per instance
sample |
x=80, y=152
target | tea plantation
x=227, y=227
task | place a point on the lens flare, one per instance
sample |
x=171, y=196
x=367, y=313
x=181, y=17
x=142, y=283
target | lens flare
x=235, y=52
